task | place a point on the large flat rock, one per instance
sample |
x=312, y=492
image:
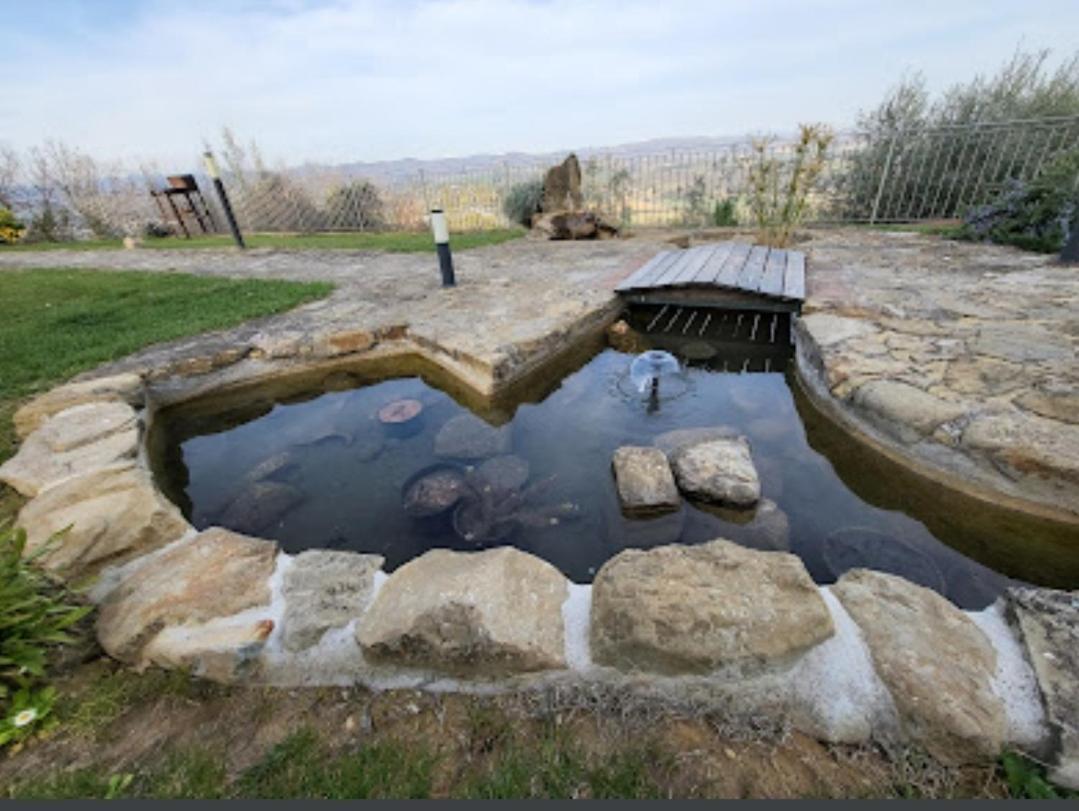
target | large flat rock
x=697, y=609
x=78, y=440
x=325, y=589
x=902, y=410
x=490, y=613
x=110, y=515
x=123, y=388
x=644, y=480
x=937, y=664
x=1048, y=622
x=184, y=592
x=720, y=471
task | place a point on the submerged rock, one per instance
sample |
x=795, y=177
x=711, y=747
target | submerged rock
x=696, y=609
x=279, y=466
x=434, y=490
x=867, y=548
x=644, y=480
x=670, y=441
x=325, y=589
x=1048, y=622
x=260, y=506
x=719, y=470
x=766, y=528
x=507, y=472
x=367, y=447
x=491, y=613
x=466, y=436
x=937, y=664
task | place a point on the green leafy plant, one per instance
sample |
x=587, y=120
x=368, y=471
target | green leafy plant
x=35, y=615
x=1037, y=215
x=724, y=214
x=522, y=202
x=10, y=228
x=1026, y=779
x=780, y=187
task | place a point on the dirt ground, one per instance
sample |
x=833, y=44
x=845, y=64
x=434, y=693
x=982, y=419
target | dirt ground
x=167, y=732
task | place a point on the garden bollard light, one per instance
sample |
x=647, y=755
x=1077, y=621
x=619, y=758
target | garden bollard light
x=215, y=176
x=441, y=232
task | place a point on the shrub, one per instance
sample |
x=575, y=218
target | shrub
x=522, y=202
x=1035, y=215
x=723, y=214
x=34, y=617
x=779, y=189
x=935, y=158
x=356, y=205
x=10, y=228
x=695, y=211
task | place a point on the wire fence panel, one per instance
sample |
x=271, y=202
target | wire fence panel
x=899, y=176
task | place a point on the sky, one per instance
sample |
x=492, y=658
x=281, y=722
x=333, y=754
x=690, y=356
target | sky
x=325, y=81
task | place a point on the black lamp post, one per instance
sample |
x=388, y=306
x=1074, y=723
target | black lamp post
x=219, y=187
x=441, y=233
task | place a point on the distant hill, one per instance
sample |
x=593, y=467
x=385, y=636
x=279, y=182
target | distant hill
x=407, y=168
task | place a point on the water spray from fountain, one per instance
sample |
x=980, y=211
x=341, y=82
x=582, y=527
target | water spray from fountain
x=649, y=369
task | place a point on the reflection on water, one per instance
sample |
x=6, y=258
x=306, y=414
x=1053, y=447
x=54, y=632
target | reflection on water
x=324, y=471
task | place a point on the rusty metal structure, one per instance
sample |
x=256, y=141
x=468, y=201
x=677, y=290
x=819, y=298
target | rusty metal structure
x=183, y=198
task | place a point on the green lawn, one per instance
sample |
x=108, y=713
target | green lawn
x=55, y=323
x=392, y=241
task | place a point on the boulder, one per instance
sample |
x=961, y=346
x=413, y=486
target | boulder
x=572, y=225
x=123, y=388
x=325, y=589
x=185, y=590
x=260, y=506
x=486, y=614
x=1048, y=623
x=937, y=664
x=114, y=514
x=222, y=650
x=902, y=410
x=466, y=436
x=78, y=440
x=562, y=186
x=507, y=472
x=644, y=479
x=697, y=609
x=719, y=471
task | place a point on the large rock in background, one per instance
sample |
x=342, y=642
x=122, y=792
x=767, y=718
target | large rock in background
x=718, y=470
x=1048, y=622
x=123, y=388
x=111, y=515
x=77, y=440
x=184, y=591
x=937, y=664
x=325, y=589
x=491, y=613
x=696, y=609
x=644, y=480
x=572, y=225
x=562, y=186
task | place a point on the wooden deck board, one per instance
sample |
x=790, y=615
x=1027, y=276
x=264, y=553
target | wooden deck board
x=794, y=280
x=774, y=276
x=772, y=279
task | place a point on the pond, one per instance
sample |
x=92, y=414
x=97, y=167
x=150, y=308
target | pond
x=394, y=459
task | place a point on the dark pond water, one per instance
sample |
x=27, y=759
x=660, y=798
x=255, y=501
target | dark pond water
x=318, y=468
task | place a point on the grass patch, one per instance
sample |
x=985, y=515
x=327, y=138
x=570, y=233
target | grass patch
x=55, y=323
x=391, y=241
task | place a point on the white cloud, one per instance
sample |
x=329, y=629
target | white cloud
x=381, y=79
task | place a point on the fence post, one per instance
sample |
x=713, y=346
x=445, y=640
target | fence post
x=883, y=179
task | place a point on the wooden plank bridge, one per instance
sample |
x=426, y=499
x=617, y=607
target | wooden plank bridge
x=725, y=275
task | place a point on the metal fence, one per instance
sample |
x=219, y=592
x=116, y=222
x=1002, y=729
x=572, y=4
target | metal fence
x=901, y=176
